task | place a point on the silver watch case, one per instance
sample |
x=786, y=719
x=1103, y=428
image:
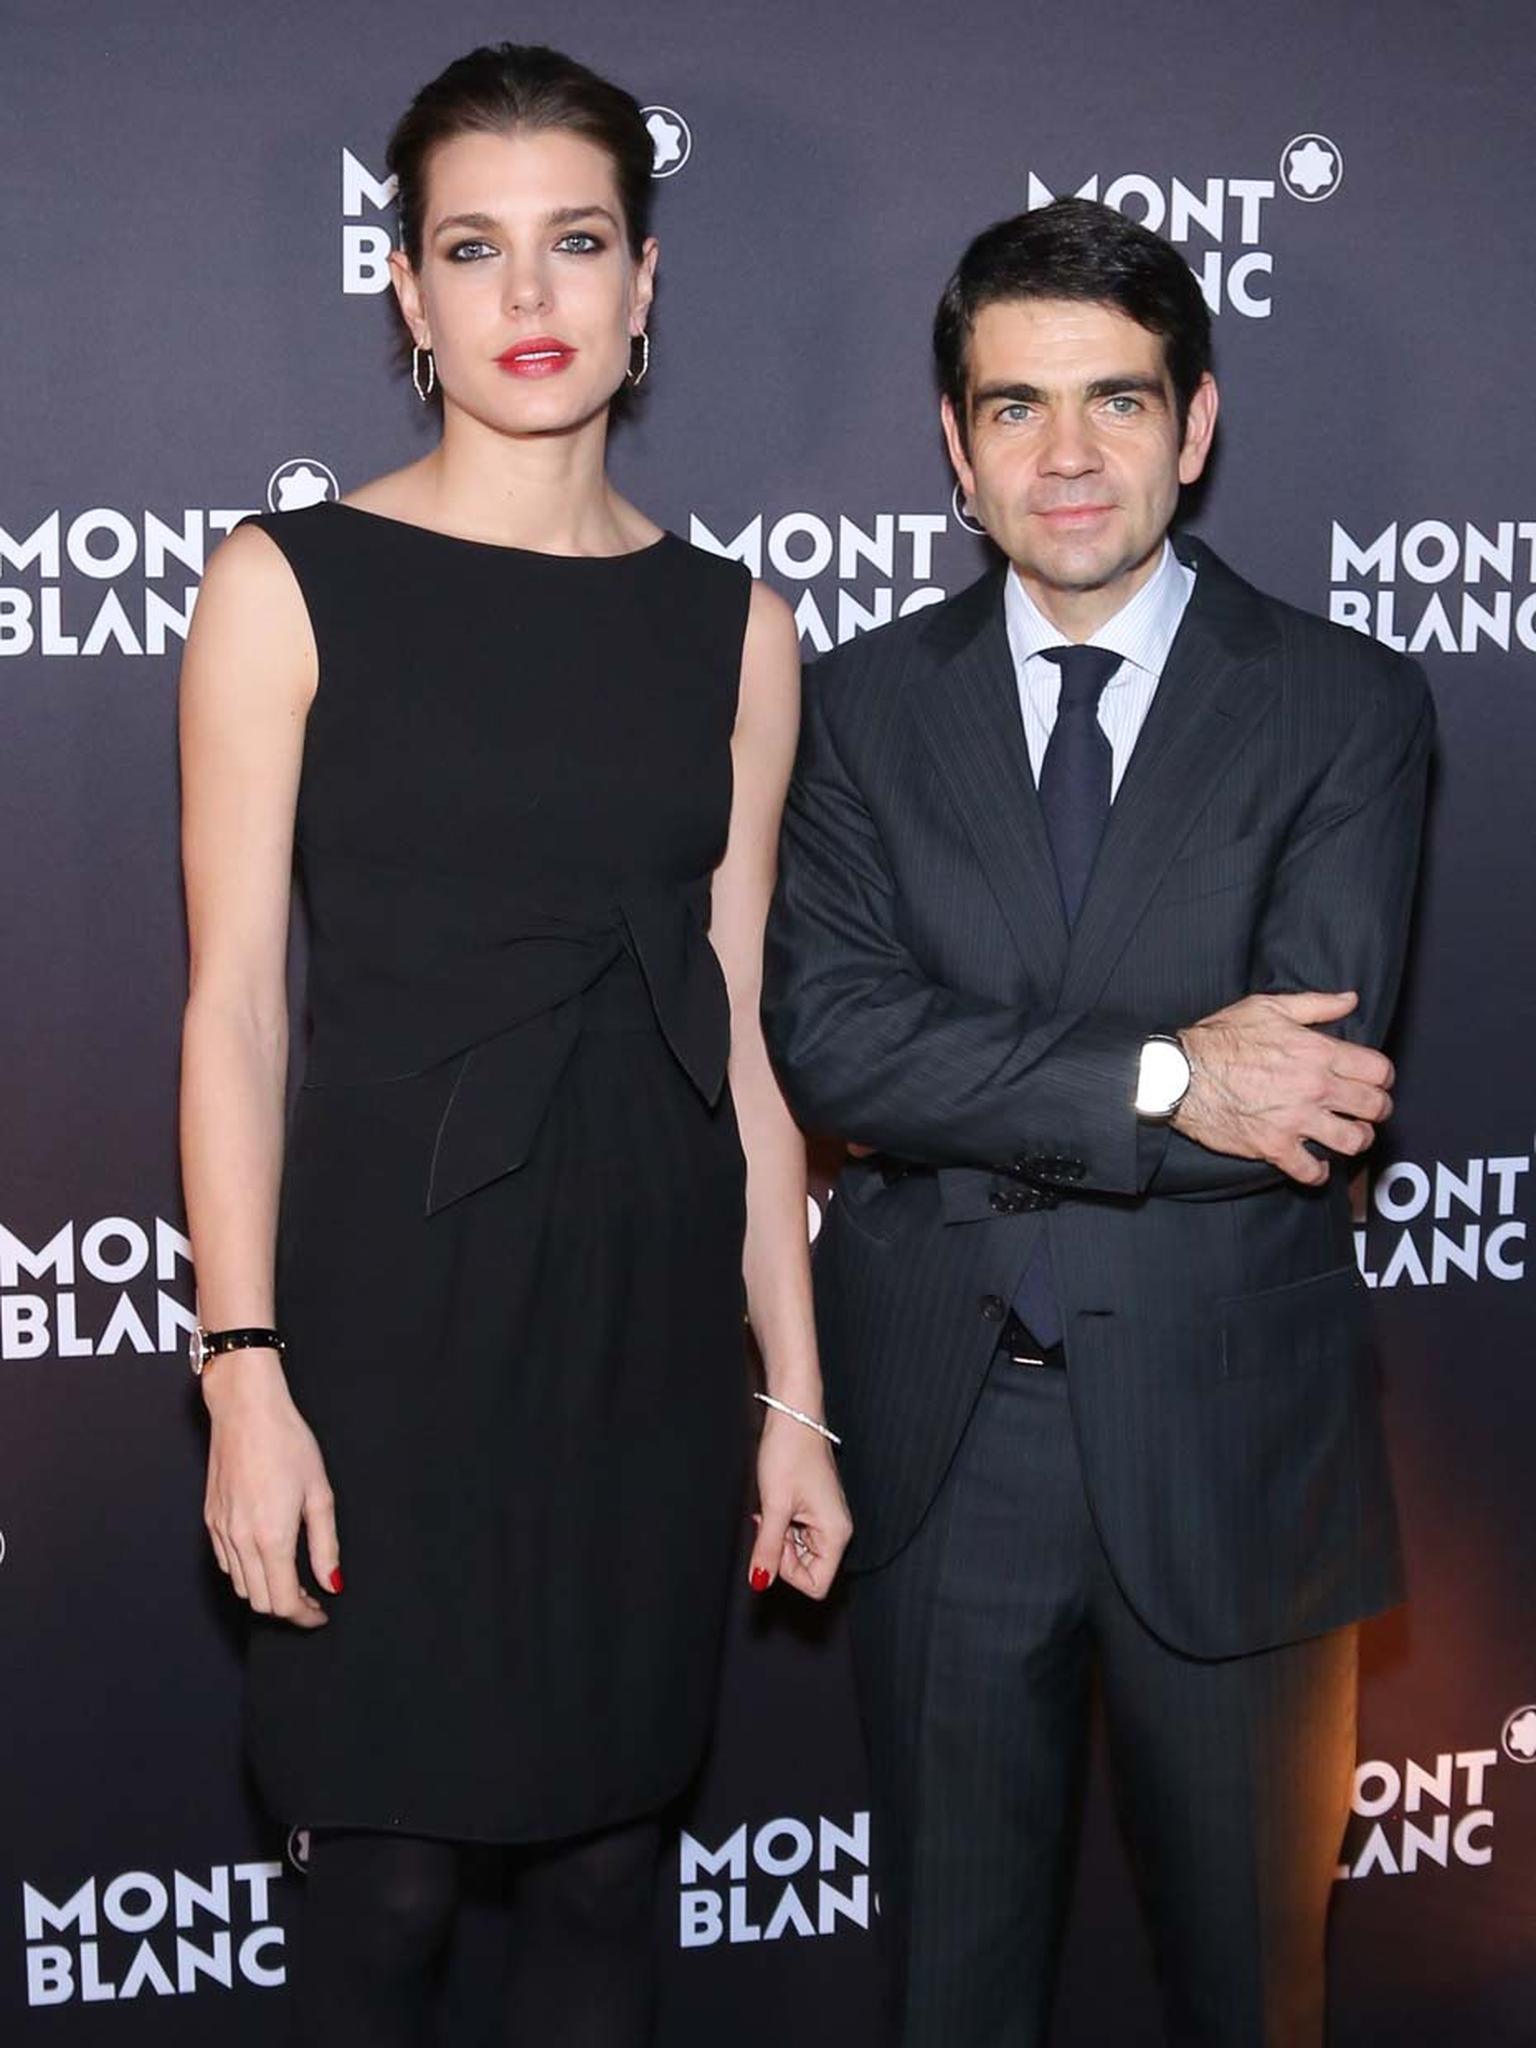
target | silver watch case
x=1162, y=1079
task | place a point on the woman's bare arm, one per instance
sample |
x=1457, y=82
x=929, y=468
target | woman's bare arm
x=803, y=1522
x=247, y=680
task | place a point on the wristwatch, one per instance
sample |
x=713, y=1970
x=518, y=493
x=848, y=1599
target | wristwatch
x=1162, y=1079
x=206, y=1344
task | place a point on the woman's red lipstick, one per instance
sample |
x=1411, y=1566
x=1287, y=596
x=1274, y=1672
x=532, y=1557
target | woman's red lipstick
x=541, y=355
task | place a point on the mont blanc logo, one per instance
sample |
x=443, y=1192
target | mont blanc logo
x=671, y=140
x=1408, y=1816
x=1311, y=168
x=103, y=580
x=786, y=1877
x=852, y=574
x=140, y=1933
x=1448, y=1221
x=95, y=1290
x=1437, y=586
x=1225, y=219
x=301, y=480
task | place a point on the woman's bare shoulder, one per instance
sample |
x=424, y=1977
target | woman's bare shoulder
x=251, y=628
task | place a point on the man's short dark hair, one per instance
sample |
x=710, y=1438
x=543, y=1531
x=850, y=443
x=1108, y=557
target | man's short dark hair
x=1076, y=249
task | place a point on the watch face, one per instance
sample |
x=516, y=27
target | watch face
x=1164, y=1077
x=197, y=1356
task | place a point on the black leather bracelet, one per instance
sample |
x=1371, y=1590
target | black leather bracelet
x=206, y=1344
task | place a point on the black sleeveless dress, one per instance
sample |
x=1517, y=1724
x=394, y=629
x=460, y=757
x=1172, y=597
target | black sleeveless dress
x=509, y=1253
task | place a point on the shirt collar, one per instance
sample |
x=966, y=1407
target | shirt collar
x=1141, y=632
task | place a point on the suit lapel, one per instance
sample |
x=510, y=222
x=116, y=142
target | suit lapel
x=969, y=715
x=1215, y=685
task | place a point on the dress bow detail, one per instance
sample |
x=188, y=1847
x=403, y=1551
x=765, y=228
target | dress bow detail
x=502, y=996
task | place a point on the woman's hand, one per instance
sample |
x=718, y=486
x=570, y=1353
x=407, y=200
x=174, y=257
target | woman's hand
x=265, y=1477
x=803, y=1524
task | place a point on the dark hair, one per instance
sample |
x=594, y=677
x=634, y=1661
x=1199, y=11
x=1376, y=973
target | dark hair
x=1076, y=249
x=506, y=86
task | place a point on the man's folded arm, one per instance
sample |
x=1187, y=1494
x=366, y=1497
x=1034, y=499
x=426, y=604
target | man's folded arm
x=1338, y=910
x=870, y=1048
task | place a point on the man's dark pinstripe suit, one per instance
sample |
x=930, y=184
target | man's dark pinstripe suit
x=924, y=996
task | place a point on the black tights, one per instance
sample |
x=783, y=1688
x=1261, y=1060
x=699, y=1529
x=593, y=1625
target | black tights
x=379, y=1911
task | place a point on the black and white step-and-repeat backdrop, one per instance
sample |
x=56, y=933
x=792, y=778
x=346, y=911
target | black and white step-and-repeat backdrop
x=194, y=221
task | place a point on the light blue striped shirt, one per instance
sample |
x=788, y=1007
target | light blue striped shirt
x=1141, y=633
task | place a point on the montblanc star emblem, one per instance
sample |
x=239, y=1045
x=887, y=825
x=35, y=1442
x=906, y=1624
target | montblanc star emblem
x=1311, y=168
x=1520, y=1736
x=302, y=480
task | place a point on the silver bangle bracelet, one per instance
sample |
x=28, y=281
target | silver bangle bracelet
x=798, y=1415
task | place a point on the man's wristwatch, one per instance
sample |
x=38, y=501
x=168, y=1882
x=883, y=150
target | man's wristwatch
x=1162, y=1079
x=206, y=1344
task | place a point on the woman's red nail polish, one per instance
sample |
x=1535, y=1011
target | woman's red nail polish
x=336, y=1580
x=761, y=1578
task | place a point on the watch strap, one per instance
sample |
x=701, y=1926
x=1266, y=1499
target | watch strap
x=208, y=1344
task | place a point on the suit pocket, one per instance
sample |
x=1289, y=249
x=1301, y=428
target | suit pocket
x=1288, y=1329
x=1212, y=870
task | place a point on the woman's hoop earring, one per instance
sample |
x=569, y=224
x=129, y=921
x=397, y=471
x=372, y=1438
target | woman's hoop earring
x=423, y=391
x=632, y=376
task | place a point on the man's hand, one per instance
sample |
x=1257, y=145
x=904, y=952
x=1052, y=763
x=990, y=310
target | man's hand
x=1264, y=1079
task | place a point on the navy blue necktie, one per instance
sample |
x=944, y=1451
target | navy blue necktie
x=1075, y=781
x=1076, y=774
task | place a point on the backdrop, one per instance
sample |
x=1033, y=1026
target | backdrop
x=194, y=220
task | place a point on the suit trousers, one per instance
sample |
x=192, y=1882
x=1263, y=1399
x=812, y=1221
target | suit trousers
x=977, y=1649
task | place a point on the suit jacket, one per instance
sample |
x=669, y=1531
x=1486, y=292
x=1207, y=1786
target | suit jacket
x=924, y=995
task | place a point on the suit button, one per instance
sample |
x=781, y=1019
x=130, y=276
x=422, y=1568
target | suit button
x=993, y=1307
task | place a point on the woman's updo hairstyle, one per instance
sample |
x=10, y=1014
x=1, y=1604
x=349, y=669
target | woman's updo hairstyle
x=506, y=87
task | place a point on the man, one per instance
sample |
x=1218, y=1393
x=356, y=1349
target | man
x=1094, y=894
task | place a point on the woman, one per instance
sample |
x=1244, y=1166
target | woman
x=528, y=749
